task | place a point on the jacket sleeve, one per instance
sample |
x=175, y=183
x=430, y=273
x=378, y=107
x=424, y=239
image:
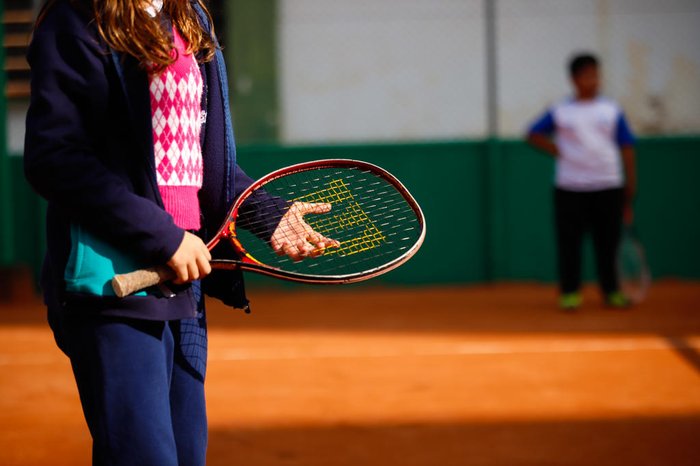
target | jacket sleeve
x=261, y=212
x=67, y=113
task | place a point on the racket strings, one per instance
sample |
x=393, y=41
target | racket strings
x=371, y=220
x=633, y=271
x=355, y=214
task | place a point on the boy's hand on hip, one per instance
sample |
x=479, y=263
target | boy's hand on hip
x=627, y=213
x=627, y=208
x=191, y=260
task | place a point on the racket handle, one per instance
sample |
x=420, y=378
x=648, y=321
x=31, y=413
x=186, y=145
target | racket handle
x=128, y=283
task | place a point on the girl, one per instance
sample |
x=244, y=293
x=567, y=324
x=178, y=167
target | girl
x=129, y=139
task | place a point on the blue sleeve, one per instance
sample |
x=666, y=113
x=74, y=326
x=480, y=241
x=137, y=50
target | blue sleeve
x=544, y=125
x=623, y=134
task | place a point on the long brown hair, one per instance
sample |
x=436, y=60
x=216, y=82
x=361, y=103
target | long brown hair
x=126, y=27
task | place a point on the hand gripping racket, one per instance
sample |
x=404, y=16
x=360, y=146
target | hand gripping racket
x=375, y=222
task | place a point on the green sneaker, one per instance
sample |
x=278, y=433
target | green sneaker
x=570, y=301
x=617, y=300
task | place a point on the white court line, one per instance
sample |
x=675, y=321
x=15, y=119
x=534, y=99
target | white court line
x=348, y=351
x=358, y=349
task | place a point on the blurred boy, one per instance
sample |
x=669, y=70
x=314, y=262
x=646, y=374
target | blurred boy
x=595, y=180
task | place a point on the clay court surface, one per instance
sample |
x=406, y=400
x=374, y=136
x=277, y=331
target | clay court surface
x=485, y=375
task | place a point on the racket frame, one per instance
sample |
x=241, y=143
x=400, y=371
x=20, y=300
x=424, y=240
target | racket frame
x=637, y=292
x=248, y=262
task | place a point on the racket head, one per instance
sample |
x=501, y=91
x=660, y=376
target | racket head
x=376, y=221
x=633, y=271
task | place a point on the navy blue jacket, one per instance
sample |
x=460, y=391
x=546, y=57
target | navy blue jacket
x=89, y=152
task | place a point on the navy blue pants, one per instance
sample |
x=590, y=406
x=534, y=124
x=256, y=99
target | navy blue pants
x=142, y=400
x=597, y=212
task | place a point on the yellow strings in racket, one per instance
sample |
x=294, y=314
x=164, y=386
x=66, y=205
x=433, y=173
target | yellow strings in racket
x=353, y=216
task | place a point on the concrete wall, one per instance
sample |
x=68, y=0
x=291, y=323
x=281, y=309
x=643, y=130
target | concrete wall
x=382, y=70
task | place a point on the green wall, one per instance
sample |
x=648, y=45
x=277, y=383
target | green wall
x=6, y=239
x=454, y=250
x=487, y=205
x=25, y=215
x=250, y=46
x=489, y=211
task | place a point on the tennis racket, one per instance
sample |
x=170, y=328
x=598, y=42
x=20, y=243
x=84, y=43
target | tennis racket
x=373, y=221
x=632, y=268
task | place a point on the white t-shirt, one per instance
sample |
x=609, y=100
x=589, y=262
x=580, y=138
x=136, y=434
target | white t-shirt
x=588, y=134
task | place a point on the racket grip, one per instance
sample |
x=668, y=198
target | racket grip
x=128, y=283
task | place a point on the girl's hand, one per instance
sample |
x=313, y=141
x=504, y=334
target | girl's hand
x=295, y=238
x=191, y=260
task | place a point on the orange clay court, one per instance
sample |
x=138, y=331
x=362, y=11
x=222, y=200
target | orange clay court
x=480, y=375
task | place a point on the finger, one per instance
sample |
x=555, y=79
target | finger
x=181, y=274
x=279, y=248
x=193, y=271
x=315, y=208
x=204, y=267
x=318, y=250
x=323, y=242
x=314, y=237
x=305, y=248
x=329, y=242
x=318, y=243
x=292, y=252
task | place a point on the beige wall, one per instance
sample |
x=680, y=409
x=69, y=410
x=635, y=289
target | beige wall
x=368, y=70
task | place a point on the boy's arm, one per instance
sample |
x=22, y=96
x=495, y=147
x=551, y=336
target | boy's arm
x=543, y=143
x=625, y=140
x=630, y=191
x=629, y=161
x=540, y=133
